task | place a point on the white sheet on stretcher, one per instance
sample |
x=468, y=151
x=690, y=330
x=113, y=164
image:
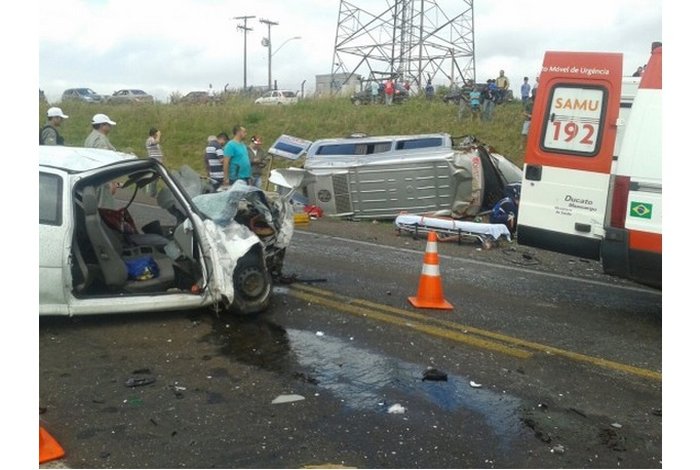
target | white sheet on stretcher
x=493, y=230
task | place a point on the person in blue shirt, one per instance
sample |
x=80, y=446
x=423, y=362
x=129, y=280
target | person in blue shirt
x=475, y=102
x=236, y=161
x=525, y=91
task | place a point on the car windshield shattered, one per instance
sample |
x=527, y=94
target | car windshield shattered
x=245, y=210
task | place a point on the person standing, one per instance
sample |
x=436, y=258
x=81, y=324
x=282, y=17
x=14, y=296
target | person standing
x=210, y=95
x=236, y=161
x=525, y=90
x=463, y=99
x=429, y=91
x=101, y=127
x=528, y=117
x=257, y=160
x=389, y=91
x=48, y=135
x=502, y=83
x=475, y=102
x=213, y=159
x=153, y=151
x=374, y=91
x=488, y=99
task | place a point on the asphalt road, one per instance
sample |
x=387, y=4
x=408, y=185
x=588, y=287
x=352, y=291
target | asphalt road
x=548, y=365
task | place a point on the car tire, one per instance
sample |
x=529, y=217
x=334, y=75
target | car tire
x=252, y=285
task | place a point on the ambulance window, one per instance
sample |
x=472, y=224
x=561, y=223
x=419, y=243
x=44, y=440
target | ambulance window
x=573, y=120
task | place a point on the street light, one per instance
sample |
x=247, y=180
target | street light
x=267, y=43
x=285, y=42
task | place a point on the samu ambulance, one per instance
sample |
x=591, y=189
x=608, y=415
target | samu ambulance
x=576, y=199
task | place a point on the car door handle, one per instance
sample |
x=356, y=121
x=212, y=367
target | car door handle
x=533, y=173
x=582, y=227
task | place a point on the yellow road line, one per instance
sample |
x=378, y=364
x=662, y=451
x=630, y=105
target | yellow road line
x=599, y=362
x=429, y=329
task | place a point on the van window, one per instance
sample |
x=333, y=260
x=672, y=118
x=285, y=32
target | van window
x=50, y=199
x=366, y=148
x=419, y=143
x=573, y=120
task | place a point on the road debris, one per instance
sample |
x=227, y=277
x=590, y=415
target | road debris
x=396, y=409
x=139, y=382
x=287, y=399
x=616, y=425
x=473, y=384
x=434, y=375
x=319, y=333
x=557, y=449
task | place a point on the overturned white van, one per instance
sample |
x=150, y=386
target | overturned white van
x=376, y=177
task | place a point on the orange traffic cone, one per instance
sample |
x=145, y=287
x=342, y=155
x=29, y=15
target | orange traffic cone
x=430, y=285
x=49, y=449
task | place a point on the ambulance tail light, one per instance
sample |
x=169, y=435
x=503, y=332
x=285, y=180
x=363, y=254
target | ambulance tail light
x=618, y=211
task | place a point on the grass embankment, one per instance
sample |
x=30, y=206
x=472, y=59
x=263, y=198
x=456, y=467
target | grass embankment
x=185, y=128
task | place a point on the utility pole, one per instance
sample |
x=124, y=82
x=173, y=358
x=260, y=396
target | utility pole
x=245, y=30
x=269, y=50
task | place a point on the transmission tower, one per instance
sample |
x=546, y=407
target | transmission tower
x=410, y=40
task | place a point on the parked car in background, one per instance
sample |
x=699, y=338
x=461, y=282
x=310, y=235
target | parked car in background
x=277, y=97
x=130, y=96
x=99, y=253
x=195, y=97
x=86, y=95
x=365, y=97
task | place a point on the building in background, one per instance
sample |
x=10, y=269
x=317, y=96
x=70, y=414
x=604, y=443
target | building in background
x=344, y=84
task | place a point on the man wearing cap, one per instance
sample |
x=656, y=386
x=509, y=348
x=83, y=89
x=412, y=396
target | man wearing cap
x=48, y=135
x=257, y=160
x=101, y=125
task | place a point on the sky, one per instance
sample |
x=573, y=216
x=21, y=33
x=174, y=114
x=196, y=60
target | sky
x=183, y=45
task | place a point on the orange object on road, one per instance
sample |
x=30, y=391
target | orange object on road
x=49, y=448
x=430, y=285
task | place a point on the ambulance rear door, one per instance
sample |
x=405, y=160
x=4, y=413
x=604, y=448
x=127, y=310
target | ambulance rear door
x=569, y=153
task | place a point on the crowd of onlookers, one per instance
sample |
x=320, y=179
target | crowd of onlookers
x=227, y=160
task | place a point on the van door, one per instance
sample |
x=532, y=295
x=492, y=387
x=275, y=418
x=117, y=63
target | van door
x=569, y=153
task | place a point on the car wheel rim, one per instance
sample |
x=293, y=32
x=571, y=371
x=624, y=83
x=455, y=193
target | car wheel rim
x=251, y=283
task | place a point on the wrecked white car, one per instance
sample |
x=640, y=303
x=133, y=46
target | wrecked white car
x=102, y=251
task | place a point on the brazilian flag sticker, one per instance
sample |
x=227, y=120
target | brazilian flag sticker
x=641, y=210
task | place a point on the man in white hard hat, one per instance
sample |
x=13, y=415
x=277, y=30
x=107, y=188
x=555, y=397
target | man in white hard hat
x=48, y=135
x=101, y=125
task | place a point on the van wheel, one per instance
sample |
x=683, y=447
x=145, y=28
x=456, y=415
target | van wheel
x=252, y=285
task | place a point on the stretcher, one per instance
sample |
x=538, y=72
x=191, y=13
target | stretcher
x=452, y=230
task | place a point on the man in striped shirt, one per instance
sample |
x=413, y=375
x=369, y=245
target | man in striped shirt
x=154, y=151
x=214, y=158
